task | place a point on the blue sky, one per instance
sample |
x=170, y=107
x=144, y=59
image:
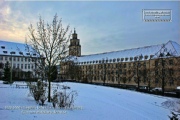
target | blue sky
x=101, y=26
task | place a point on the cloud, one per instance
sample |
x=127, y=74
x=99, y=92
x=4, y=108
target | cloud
x=15, y=18
x=13, y=24
x=14, y=21
x=5, y=11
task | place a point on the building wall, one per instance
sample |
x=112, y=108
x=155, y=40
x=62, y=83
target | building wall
x=22, y=58
x=20, y=63
x=23, y=63
x=127, y=73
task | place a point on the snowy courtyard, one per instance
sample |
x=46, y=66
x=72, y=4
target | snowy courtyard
x=92, y=103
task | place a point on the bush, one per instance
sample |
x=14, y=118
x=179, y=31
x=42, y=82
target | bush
x=63, y=98
x=38, y=91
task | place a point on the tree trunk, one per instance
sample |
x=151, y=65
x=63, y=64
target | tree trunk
x=49, y=91
x=163, y=74
x=138, y=76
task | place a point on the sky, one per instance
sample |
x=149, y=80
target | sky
x=102, y=26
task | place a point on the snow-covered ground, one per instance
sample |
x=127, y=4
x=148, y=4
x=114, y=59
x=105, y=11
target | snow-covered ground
x=92, y=103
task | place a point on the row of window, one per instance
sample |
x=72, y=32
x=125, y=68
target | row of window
x=105, y=66
x=113, y=66
x=24, y=66
x=125, y=72
x=163, y=62
x=100, y=66
x=17, y=59
x=124, y=79
x=117, y=60
x=142, y=72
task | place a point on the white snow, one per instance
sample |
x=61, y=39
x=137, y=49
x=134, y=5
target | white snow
x=172, y=47
x=6, y=47
x=92, y=103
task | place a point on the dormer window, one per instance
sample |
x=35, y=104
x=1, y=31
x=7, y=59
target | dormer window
x=151, y=56
x=3, y=47
x=161, y=55
x=126, y=59
x=5, y=52
x=118, y=59
x=135, y=58
x=140, y=57
x=114, y=60
x=146, y=56
x=34, y=54
x=168, y=54
x=12, y=52
x=103, y=61
x=27, y=53
x=131, y=58
x=21, y=53
x=122, y=59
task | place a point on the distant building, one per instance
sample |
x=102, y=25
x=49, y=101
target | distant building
x=21, y=58
x=147, y=66
x=75, y=47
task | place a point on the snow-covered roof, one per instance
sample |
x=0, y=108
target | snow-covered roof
x=141, y=53
x=16, y=49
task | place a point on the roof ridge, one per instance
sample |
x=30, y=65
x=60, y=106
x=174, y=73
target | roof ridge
x=12, y=42
x=121, y=50
x=173, y=45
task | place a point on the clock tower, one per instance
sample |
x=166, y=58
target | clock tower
x=75, y=47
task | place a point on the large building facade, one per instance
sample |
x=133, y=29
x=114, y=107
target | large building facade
x=151, y=66
x=20, y=58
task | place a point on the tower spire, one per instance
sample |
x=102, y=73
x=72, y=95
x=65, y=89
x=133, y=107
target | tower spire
x=74, y=30
x=74, y=35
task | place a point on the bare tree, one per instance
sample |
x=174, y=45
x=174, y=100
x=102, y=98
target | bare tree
x=138, y=71
x=50, y=43
x=72, y=70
